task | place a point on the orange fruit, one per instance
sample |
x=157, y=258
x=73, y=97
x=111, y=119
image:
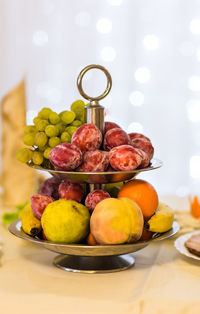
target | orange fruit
x=91, y=240
x=143, y=193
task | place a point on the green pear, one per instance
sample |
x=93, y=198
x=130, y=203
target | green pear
x=65, y=221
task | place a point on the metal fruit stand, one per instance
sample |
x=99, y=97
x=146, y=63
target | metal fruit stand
x=100, y=258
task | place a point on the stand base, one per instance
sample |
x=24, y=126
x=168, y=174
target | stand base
x=96, y=264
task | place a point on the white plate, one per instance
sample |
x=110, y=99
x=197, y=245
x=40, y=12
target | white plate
x=180, y=245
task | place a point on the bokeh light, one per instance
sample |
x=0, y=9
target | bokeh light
x=142, y=75
x=104, y=25
x=136, y=98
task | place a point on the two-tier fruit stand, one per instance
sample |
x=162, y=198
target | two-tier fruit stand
x=99, y=258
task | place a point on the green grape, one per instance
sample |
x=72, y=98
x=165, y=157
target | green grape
x=29, y=129
x=65, y=137
x=54, y=118
x=80, y=115
x=40, y=139
x=29, y=139
x=60, y=114
x=84, y=117
x=51, y=130
x=42, y=148
x=24, y=154
x=41, y=125
x=44, y=113
x=54, y=141
x=37, y=158
x=36, y=120
x=76, y=123
x=68, y=117
x=78, y=104
x=47, y=152
x=61, y=127
x=71, y=129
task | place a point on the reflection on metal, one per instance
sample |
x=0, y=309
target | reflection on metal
x=110, y=257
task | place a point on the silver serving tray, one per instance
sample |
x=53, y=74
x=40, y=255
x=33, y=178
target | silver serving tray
x=87, y=250
x=100, y=177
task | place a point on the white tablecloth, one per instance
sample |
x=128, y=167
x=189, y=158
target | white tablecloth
x=162, y=281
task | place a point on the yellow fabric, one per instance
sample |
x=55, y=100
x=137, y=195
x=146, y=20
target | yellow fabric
x=14, y=174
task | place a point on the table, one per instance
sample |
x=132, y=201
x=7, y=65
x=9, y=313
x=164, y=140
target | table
x=162, y=281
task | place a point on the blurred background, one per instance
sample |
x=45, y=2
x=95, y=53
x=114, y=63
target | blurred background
x=152, y=50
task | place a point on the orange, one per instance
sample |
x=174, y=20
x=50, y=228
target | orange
x=143, y=193
x=91, y=240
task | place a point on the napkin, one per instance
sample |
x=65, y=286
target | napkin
x=18, y=180
x=186, y=221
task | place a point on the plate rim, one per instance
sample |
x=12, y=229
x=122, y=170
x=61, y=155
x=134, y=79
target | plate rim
x=180, y=247
x=151, y=167
x=21, y=234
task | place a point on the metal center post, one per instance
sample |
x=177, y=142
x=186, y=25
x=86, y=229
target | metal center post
x=94, y=111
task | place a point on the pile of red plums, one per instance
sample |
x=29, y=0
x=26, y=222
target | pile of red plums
x=53, y=189
x=92, y=151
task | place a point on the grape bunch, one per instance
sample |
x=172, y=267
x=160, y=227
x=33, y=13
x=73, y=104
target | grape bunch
x=49, y=130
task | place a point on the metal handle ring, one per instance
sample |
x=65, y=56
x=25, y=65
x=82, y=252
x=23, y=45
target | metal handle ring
x=80, y=77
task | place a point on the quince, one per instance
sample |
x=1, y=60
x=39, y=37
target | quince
x=65, y=221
